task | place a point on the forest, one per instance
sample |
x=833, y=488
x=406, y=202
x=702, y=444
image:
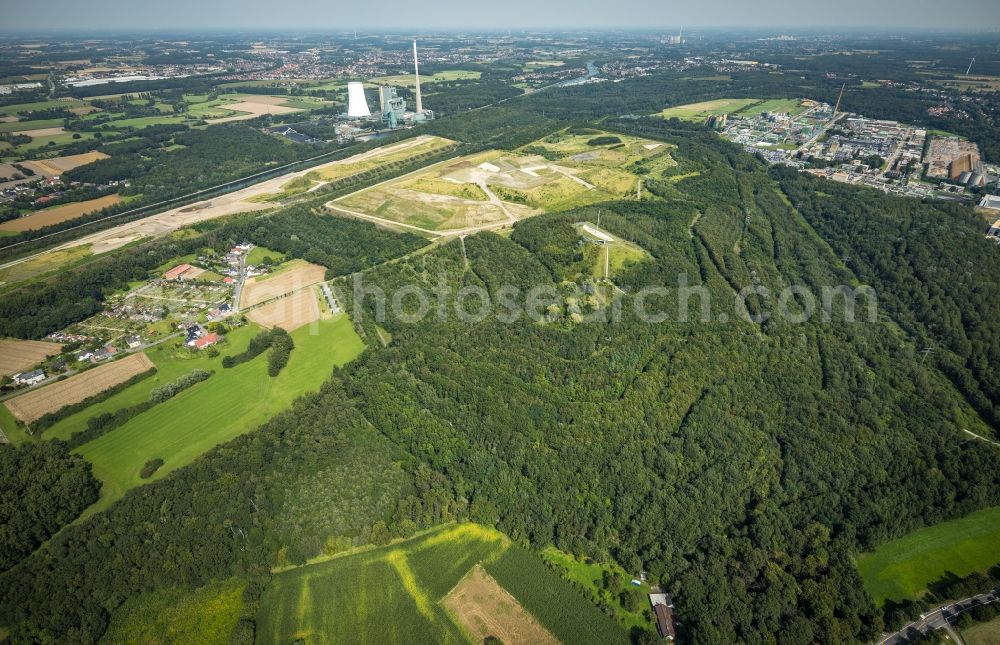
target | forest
x=45, y=488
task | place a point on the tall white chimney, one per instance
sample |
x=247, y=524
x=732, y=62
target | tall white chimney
x=416, y=76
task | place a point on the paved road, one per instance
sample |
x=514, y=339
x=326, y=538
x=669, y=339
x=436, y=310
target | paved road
x=240, y=279
x=939, y=618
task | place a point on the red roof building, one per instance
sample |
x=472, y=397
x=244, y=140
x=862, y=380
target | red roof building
x=177, y=271
x=207, y=340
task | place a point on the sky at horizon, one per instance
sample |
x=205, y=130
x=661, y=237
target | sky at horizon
x=333, y=15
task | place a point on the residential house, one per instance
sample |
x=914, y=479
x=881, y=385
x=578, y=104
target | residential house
x=207, y=340
x=663, y=611
x=29, y=378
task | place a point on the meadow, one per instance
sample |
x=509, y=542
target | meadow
x=347, y=598
x=590, y=575
x=407, y=80
x=705, y=109
x=232, y=402
x=904, y=568
x=742, y=107
x=983, y=633
x=204, y=615
x=258, y=253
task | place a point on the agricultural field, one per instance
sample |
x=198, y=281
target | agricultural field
x=57, y=214
x=17, y=355
x=345, y=599
x=23, y=127
x=974, y=83
x=289, y=277
x=484, y=608
x=33, y=405
x=230, y=403
x=291, y=312
x=58, y=165
x=904, y=568
x=251, y=106
x=204, y=615
x=198, y=109
x=535, y=65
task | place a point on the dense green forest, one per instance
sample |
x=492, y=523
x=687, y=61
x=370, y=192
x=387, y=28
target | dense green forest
x=931, y=263
x=44, y=488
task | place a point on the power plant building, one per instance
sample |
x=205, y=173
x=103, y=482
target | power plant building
x=393, y=107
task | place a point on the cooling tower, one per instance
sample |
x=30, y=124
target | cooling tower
x=357, y=104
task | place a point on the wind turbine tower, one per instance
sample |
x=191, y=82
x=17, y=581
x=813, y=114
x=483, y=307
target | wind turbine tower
x=416, y=77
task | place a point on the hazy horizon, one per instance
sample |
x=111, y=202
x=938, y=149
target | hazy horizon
x=451, y=15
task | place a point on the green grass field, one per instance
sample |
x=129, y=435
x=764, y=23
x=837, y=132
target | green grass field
x=43, y=264
x=40, y=105
x=258, y=253
x=705, y=109
x=146, y=121
x=63, y=139
x=590, y=575
x=791, y=106
x=743, y=107
x=983, y=633
x=393, y=593
x=204, y=615
x=17, y=126
x=228, y=404
x=170, y=364
x=905, y=567
x=12, y=430
x=406, y=80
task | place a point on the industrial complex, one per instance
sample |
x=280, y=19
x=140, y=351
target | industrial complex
x=392, y=112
